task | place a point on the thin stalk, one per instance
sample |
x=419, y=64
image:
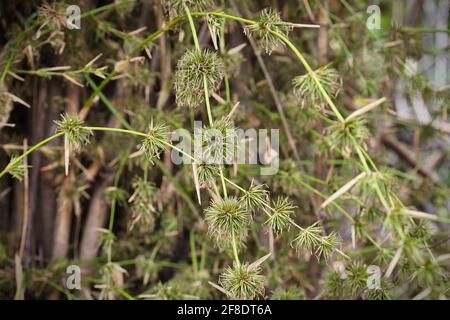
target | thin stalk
x=208, y=104
x=235, y=252
x=192, y=26
x=205, y=88
x=30, y=150
x=193, y=251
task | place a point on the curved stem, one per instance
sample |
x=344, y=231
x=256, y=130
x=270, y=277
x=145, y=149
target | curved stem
x=30, y=150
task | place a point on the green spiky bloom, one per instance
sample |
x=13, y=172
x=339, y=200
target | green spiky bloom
x=307, y=90
x=255, y=197
x=155, y=141
x=218, y=141
x=207, y=172
x=73, y=128
x=226, y=217
x=340, y=135
x=310, y=240
x=16, y=168
x=191, y=69
x=243, y=282
x=280, y=217
x=268, y=21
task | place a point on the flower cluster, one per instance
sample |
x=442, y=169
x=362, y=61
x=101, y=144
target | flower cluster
x=155, y=141
x=269, y=22
x=243, y=281
x=195, y=69
x=307, y=90
x=142, y=200
x=227, y=219
x=73, y=129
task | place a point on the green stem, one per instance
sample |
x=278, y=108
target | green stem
x=193, y=252
x=311, y=72
x=235, y=252
x=208, y=105
x=192, y=26
x=30, y=150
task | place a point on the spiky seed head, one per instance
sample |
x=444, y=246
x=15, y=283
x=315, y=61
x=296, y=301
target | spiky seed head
x=356, y=276
x=243, y=282
x=227, y=217
x=6, y=104
x=310, y=240
x=155, y=141
x=384, y=179
x=53, y=14
x=327, y=245
x=381, y=293
x=335, y=284
x=218, y=141
x=340, y=135
x=269, y=20
x=307, y=90
x=142, y=199
x=16, y=169
x=207, y=172
x=255, y=197
x=429, y=273
x=280, y=218
x=73, y=129
x=191, y=68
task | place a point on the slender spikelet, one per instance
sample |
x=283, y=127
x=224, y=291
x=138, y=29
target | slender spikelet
x=142, y=199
